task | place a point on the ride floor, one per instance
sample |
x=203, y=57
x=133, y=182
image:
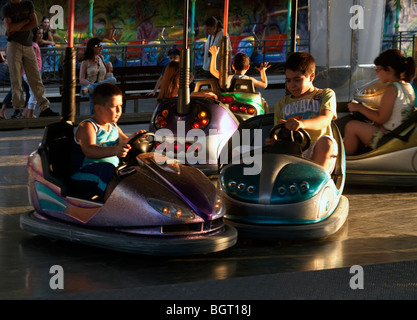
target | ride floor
x=380, y=235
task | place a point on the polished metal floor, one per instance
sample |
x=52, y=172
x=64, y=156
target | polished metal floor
x=380, y=235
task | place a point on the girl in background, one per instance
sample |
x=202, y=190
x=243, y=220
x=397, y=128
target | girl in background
x=170, y=83
x=397, y=103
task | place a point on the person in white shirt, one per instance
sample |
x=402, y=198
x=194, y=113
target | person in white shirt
x=214, y=29
x=397, y=103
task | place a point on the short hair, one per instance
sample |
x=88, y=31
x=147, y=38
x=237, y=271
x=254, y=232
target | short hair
x=213, y=22
x=104, y=92
x=301, y=61
x=174, y=52
x=241, y=61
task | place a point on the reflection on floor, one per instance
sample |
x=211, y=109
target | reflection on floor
x=381, y=230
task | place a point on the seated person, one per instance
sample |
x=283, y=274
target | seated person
x=309, y=108
x=397, y=103
x=93, y=70
x=102, y=142
x=240, y=65
x=173, y=55
x=170, y=83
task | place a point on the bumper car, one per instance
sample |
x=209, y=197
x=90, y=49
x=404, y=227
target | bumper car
x=394, y=161
x=291, y=198
x=206, y=116
x=154, y=208
x=214, y=120
x=243, y=100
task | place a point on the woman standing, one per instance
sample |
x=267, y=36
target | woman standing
x=214, y=29
x=93, y=70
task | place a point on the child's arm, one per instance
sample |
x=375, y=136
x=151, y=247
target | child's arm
x=264, y=81
x=321, y=121
x=383, y=113
x=123, y=138
x=157, y=86
x=213, y=68
x=207, y=94
x=86, y=135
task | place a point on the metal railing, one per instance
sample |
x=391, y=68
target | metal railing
x=139, y=53
x=404, y=41
x=155, y=52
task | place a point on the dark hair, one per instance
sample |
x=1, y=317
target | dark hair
x=89, y=51
x=240, y=61
x=44, y=18
x=213, y=22
x=173, y=52
x=35, y=31
x=395, y=59
x=104, y=92
x=301, y=61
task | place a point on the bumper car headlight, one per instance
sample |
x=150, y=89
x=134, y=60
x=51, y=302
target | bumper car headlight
x=218, y=206
x=171, y=210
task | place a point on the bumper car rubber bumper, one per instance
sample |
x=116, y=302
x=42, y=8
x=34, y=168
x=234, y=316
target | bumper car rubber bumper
x=295, y=232
x=220, y=240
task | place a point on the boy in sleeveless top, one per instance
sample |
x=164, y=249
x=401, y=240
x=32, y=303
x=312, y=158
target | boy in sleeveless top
x=102, y=142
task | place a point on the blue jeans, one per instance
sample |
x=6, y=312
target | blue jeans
x=8, y=98
x=92, y=87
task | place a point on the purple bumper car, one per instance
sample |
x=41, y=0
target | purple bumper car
x=156, y=206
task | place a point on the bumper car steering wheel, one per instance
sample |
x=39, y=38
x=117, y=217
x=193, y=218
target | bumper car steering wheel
x=143, y=142
x=284, y=137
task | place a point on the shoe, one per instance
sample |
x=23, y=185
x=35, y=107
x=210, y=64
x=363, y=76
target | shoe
x=48, y=113
x=17, y=114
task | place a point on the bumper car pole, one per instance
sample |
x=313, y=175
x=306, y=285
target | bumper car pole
x=69, y=78
x=294, y=6
x=183, y=105
x=224, y=62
